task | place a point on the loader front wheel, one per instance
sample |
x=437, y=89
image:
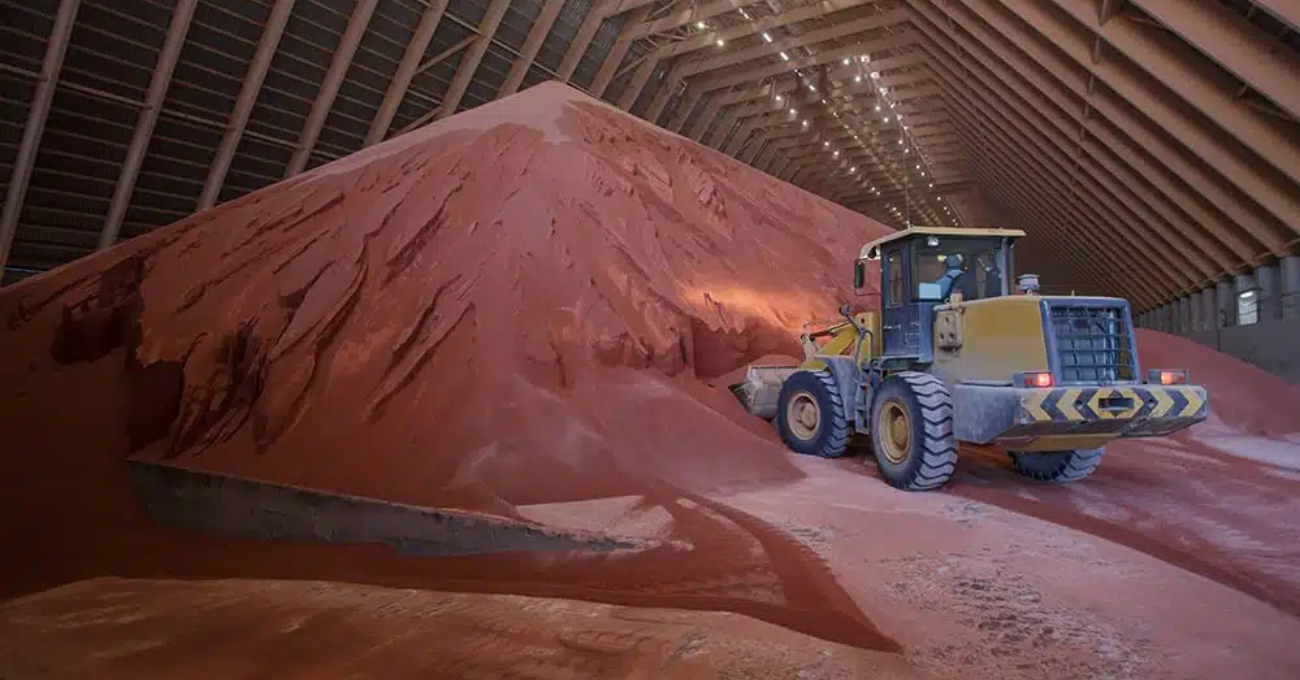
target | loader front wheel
x=810, y=415
x=1059, y=467
x=911, y=432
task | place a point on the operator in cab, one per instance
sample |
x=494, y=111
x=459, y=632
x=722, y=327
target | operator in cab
x=954, y=267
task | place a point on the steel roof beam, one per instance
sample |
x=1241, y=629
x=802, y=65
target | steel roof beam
x=1233, y=43
x=1050, y=219
x=847, y=93
x=1277, y=198
x=1286, y=11
x=599, y=12
x=710, y=38
x=51, y=68
x=840, y=74
x=329, y=89
x=847, y=80
x=473, y=56
x=1172, y=63
x=1030, y=220
x=406, y=68
x=1047, y=218
x=890, y=42
x=764, y=50
x=695, y=13
x=1045, y=169
x=528, y=53
x=824, y=57
x=252, y=86
x=696, y=88
x=617, y=52
x=994, y=95
x=1037, y=79
x=144, y=125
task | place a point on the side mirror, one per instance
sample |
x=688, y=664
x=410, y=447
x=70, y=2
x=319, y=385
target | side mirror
x=929, y=292
x=859, y=274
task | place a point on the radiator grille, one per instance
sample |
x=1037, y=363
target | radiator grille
x=1093, y=344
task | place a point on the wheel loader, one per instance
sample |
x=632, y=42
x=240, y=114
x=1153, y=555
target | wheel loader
x=959, y=353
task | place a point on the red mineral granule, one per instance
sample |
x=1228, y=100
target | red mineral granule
x=528, y=303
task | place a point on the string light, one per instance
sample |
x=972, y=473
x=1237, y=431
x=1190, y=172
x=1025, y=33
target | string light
x=701, y=25
x=767, y=37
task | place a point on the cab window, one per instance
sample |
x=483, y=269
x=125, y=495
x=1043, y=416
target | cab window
x=897, y=287
x=981, y=278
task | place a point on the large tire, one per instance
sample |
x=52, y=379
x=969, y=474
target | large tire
x=810, y=415
x=911, y=432
x=1060, y=467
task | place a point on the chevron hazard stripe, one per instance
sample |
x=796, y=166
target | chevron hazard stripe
x=1033, y=405
x=1195, y=401
x=1091, y=404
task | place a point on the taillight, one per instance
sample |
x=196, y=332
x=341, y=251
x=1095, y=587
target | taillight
x=1034, y=379
x=1166, y=376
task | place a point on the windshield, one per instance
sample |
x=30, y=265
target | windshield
x=978, y=260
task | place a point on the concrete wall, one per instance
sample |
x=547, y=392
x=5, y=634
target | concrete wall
x=1209, y=317
x=1274, y=347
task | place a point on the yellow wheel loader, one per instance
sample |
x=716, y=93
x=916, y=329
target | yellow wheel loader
x=958, y=353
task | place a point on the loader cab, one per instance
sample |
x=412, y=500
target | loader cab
x=924, y=267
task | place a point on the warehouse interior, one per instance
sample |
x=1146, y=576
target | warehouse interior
x=157, y=156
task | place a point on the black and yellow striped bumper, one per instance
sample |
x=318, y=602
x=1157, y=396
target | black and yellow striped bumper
x=1136, y=411
x=1073, y=417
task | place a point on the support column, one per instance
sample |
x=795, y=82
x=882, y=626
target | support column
x=1225, y=300
x=1289, y=271
x=1195, y=312
x=1209, y=310
x=1270, y=303
x=1184, y=315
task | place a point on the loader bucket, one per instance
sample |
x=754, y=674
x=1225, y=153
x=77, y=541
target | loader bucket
x=761, y=389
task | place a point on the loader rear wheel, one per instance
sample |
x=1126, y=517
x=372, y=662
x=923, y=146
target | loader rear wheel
x=1057, y=466
x=911, y=432
x=810, y=415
